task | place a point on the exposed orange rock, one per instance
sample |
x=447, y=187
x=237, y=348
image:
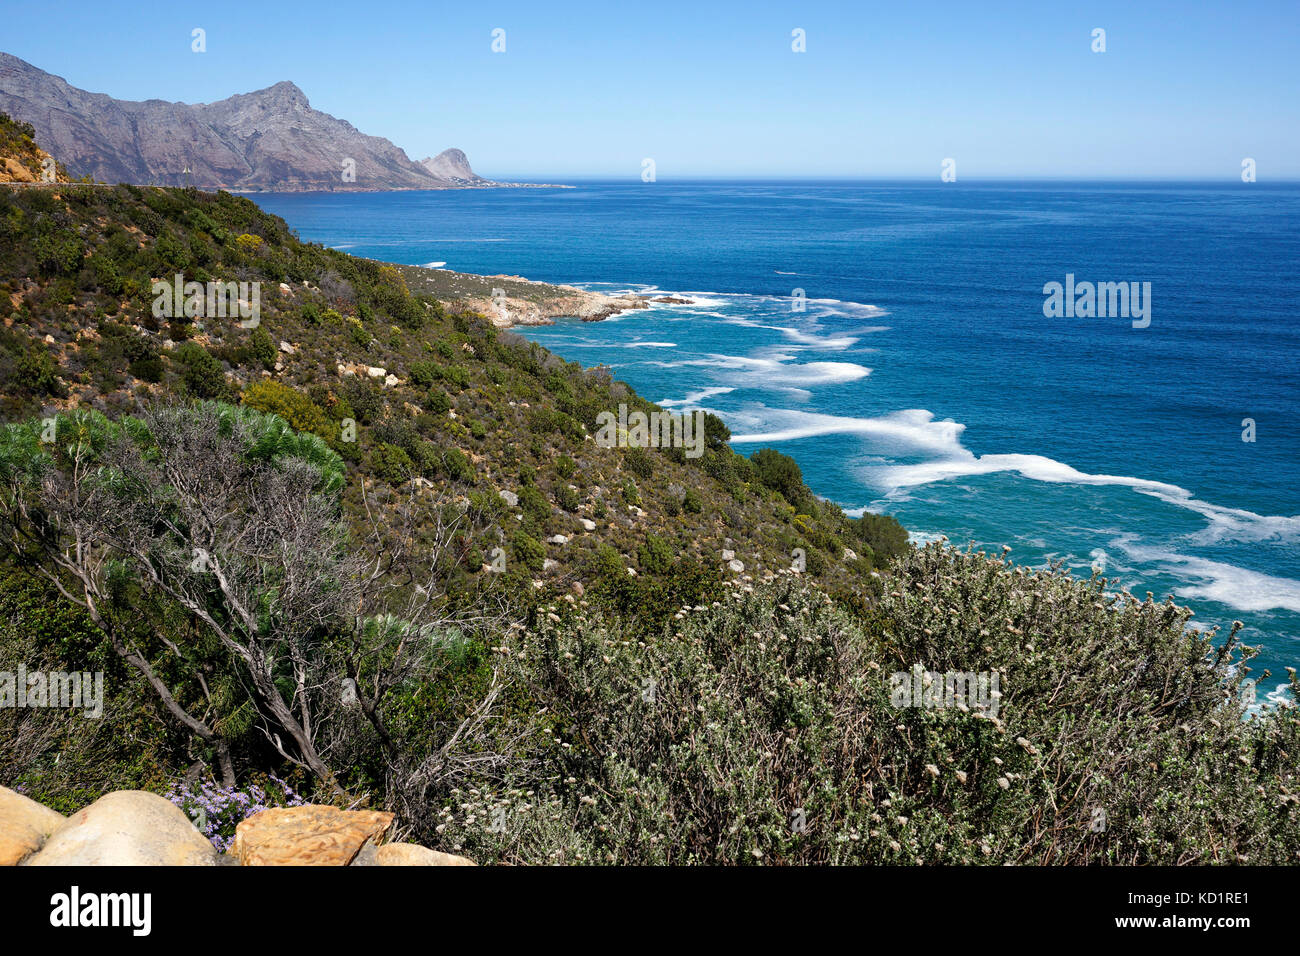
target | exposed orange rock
x=311, y=835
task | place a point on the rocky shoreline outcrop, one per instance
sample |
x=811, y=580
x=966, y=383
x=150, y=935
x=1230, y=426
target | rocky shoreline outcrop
x=514, y=300
x=562, y=302
x=137, y=828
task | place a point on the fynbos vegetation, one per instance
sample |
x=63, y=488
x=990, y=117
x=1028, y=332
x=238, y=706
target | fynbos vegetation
x=363, y=543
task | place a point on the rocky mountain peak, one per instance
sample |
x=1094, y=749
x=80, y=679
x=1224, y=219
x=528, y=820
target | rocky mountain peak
x=452, y=165
x=269, y=139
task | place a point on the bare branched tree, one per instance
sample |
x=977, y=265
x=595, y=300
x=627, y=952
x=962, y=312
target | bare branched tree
x=235, y=518
x=408, y=615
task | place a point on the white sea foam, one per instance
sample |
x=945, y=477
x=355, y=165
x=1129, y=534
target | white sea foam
x=1226, y=524
x=1236, y=524
x=703, y=300
x=914, y=429
x=1208, y=580
x=759, y=303
x=694, y=399
x=917, y=429
x=1037, y=467
x=829, y=343
x=840, y=307
x=777, y=370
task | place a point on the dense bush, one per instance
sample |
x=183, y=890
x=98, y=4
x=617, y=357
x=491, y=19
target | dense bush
x=201, y=373
x=529, y=552
x=779, y=472
x=764, y=729
x=294, y=407
x=656, y=555
x=391, y=464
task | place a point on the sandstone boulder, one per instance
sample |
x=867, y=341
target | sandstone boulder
x=407, y=854
x=126, y=828
x=311, y=835
x=24, y=826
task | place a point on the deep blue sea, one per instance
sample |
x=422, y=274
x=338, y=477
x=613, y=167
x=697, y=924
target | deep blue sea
x=921, y=377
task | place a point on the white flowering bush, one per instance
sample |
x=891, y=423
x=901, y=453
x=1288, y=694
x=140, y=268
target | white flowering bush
x=760, y=729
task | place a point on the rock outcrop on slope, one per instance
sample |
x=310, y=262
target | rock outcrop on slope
x=136, y=828
x=514, y=300
x=267, y=140
x=21, y=160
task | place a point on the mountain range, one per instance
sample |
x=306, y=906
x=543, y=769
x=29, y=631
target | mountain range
x=267, y=140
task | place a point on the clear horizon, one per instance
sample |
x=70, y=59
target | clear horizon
x=1007, y=92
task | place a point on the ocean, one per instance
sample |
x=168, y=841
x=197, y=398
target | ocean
x=892, y=337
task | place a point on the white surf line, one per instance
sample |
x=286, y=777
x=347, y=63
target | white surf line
x=916, y=430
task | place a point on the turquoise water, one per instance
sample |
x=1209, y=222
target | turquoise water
x=921, y=377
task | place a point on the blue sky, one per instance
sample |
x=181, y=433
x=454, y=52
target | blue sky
x=1184, y=90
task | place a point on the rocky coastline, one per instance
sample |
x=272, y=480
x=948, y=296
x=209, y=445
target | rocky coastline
x=523, y=301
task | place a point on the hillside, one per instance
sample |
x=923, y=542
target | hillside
x=436, y=394
x=355, y=542
x=269, y=139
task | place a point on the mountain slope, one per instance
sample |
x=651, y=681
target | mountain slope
x=270, y=139
x=453, y=166
x=436, y=395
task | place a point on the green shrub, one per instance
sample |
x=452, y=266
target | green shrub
x=438, y=402
x=886, y=538
x=457, y=466
x=656, y=555
x=391, y=464
x=455, y=375
x=528, y=551
x=423, y=374
x=780, y=473
x=201, y=374
x=639, y=462
x=297, y=409
x=58, y=252
x=534, y=504
x=261, y=349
